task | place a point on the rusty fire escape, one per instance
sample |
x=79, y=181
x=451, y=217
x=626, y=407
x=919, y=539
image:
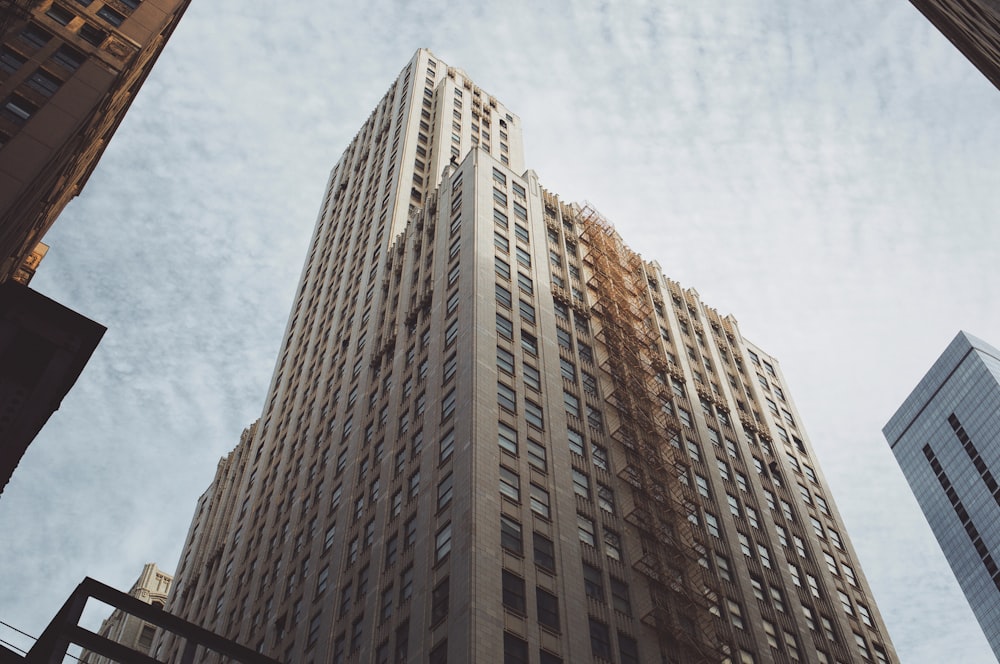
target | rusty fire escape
x=659, y=508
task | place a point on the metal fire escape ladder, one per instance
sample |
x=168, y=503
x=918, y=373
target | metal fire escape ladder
x=667, y=549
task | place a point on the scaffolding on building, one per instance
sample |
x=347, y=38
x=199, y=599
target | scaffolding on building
x=670, y=551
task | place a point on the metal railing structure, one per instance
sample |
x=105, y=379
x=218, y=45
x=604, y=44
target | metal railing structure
x=64, y=630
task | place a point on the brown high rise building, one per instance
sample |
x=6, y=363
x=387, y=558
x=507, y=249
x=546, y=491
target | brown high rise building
x=973, y=26
x=69, y=70
x=495, y=433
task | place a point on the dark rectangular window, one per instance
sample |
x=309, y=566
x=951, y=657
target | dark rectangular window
x=68, y=57
x=548, y=609
x=505, y=328
x=35, y=35
x=18, y=109
x=10, y=61
x=44, y=83
x=510, y=535
x=600, y=639
x=439, y=602
x=593, y=583
x=628, y=649
x=60, y=15
x=513, y=592
x=93, y=35
x=619, y=597
x=440, y=654
x=545, y=556
x=515, y=650
x=503, y=296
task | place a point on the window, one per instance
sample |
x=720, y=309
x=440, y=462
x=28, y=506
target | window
x=536, y=455
x=501, y=242
x=547, y=606
x=444, y=491
x=110, y=15
x=620, y=597
x=503, y=296
x=735, y=613
x=442, y=543
x=510, y=484
x=501, y=267
x=605, y=498
x=612, y=544
x=594, y=418
x=765, y=556
x=529, y=343
x=18, y=109
x=43, y=83
x=513, y=592
x=60, y=15
x=525, y=284
x=572, y=403
x=533, y=414
x=527, y=312
x=712, y=523
x=575, y=440
x=499, y=218
x=506, y=398
x=505, y=328
x=702, y=485
x=523, y=257
x=845, y=602
x=772, y=635
x=448, y=405
x=600, y=639
x=515, y=650
x=521, y=232
x=599, y=457
x=722, y=564
x=10, y=61
x=532, y=379
x=866, y=616
x=510, y=535
x=35, y=35
x=539, y=500
x=593, y=583
x=544, y=552
x=585, y=529
x=813, y=586
x=581, y=484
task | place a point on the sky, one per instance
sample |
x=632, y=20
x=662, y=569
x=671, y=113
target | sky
x=824, y=171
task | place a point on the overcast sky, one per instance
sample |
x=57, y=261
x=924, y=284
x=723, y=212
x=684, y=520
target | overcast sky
x=825, y=171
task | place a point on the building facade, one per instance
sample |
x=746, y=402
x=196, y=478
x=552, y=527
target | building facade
x=973, y=26
x=494, y=428
x=68, y=73
x=152, y=587
x=946, y=438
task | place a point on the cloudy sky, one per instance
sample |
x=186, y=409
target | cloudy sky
x=824, y=171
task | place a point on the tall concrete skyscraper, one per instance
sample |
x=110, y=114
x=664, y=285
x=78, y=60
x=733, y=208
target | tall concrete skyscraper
x=946, y=438
x=495, y=433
